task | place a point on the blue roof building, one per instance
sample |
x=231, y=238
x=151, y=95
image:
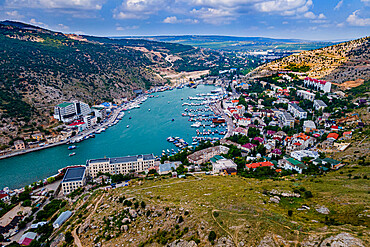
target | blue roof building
x=73, y=179
x=62, y=218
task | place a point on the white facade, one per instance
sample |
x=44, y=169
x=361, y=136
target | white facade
x=318, y=84
x=319, y=105
x=286, y=119
x=308, y=126
x=73, y=179
x=306, y=95
x=69, y=111
x=297, y=111
x=223, y=164
x=121, y=165
x=298, y=155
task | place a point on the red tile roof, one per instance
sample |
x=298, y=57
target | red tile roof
x=259, y=164
x=332, y=135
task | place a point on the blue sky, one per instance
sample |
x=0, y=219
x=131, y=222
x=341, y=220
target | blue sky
x=303, y=19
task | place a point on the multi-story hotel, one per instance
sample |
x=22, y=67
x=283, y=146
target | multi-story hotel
x=120, y=165
x=69, y=111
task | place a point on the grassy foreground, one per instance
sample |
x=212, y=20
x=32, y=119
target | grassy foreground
x=236, y=209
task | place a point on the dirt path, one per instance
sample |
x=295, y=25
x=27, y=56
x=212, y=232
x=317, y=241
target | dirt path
x=76, y=238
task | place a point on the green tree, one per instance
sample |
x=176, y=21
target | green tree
x=212, y=236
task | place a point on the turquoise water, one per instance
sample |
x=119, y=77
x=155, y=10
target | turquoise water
x=146, y=134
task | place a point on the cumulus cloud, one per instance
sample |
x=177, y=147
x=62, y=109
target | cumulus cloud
x=209, y=11
x=355, y=20
x=14, y=15
x=174, y=20
x=57, y=4
x=339, y=4
x=311, y=15
x=170, y=20
x=214, y=16
x=38, y=23
x=284, y=7
x=140, y=9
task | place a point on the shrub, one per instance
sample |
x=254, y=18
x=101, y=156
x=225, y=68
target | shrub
x=68, y=237
x=181, y=219
x=216, y=214
x=212, y=236
x=307, y=194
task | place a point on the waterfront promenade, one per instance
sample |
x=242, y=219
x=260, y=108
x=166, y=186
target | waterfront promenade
x=147, y=133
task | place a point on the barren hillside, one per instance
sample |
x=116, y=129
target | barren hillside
x=338, y=63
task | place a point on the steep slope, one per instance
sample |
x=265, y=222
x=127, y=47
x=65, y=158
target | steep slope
x=338, y=63
x=40, y=68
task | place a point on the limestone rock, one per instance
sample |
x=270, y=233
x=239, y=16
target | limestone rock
x=322, y=209
x=182, y=243
x=343, y=239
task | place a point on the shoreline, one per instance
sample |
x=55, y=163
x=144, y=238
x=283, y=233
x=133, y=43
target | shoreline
x=127, y=106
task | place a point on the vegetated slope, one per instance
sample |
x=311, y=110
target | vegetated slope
x=338, y=63
x=40, y=68
x=232, y=43
x=240, y=211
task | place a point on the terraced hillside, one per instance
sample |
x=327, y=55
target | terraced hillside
x=338, y=63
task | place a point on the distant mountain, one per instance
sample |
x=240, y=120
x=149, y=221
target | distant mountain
x=347, y=61
x=233, y=43
x=40, y=68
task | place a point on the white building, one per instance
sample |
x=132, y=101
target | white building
x=298, y=155
x=90, y=121
x=120, y=165
x=219, y=164
x=306, y=95
x=318, y=84
x=73, y=179
x=319, y=105
x=69, y=111
x=286, y=119
x=297, y=111
x=99, y=111
x=308, y=126
x=292, y=164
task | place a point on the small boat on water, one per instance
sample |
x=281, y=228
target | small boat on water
x=71, y=147
x=127, y=126
x=129, y=118
x=71, y=154
x=173, y=119
x=148, y=109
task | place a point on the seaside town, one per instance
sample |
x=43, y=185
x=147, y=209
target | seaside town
x=282, y=125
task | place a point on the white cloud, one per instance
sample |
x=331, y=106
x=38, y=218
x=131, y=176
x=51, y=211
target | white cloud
x=63, y=27
x=355, y=20
x=140, y=9
x=214, y=16
x=284, y=7
x=170, y=20
x=367, y=2
x=14, y=15
x=174, y=19
x=38, y=23
x=119, y=28
x=209, y=11
x=339, y=4
x=57, y=4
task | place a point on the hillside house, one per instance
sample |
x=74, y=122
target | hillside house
x=319, y=105
x=203, y=156
x=292, y=164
